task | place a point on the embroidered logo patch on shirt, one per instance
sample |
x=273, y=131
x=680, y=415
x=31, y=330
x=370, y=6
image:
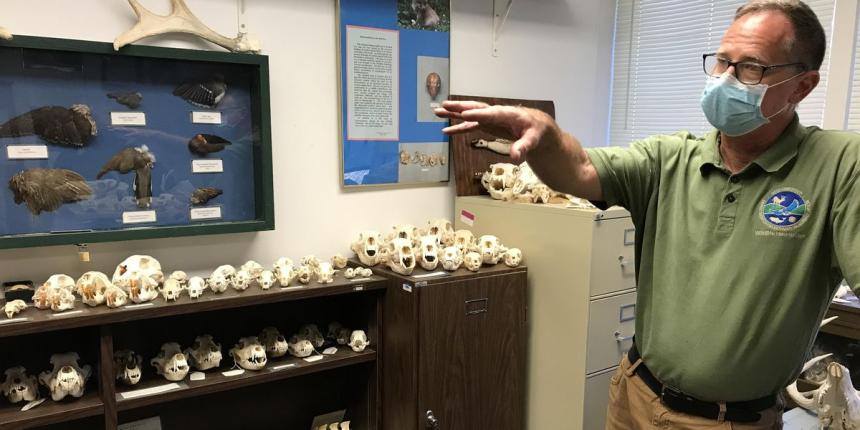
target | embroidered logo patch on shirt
x=785, y=209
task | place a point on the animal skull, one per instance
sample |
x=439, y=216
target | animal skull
x=274, y=342
x=91, y=286
x=472, y=261
x=300, y=347
x=442, y=229
x=67, y=378
x=338, y=261
x=404, y=231
x=284, y=271
x=304, y=274
x=180, y=276
x=491, y=249
x=171, y=362
x=18, y=386
x=141, y=288
x=310, y=260
x=252, y=267
x=452, y=258
x=835, y=401
x=204, y=353
x=196, y=285
x=349, y=273
x=367, y=246
x=266, y=279
x=218, y=282
x=513, y=257
x=242, y=280
x=127, y=366
x=13, y=307
x=464, y=240
x=358, y=340
x=429, y=252
x=226, y=270
x=384, y=255
x=115, y=297
x=137, y=265
x=333, y=328
x=171, y=290
x=499, y=180
x=364, y=272
x=249, y=354
x=402, y=258
x=55, y=294
x=312, y=333
x=325, y=273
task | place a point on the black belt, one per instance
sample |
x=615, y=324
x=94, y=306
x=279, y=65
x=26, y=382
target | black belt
x=741, y=412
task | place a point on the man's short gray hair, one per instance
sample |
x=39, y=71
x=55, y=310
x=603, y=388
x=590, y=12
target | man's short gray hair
x=808, y=44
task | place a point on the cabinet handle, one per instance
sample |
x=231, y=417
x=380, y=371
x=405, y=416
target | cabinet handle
x=619, y=338
x=623, y=261
x=432, y=422
x=476, y=306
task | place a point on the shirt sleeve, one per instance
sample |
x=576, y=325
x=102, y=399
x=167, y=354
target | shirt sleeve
x=846, y=232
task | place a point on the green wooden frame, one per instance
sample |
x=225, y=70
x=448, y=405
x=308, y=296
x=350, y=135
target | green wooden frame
x=263, y=187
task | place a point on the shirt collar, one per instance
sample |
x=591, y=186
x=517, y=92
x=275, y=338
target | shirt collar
x=773, y=159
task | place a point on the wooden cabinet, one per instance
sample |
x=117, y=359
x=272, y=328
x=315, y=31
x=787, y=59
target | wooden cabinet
x=582, y=301
x=454, y=349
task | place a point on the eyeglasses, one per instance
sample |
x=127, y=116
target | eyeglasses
x=747, y=72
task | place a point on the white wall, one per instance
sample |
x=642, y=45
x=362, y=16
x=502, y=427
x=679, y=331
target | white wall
x=550, y=49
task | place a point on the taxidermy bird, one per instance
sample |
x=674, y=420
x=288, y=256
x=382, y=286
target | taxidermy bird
x=205, y=94
x=141, y=160
x=203, y=144
x=130, y=99
x=201, y=196
x=73, y=126
x=45, y=190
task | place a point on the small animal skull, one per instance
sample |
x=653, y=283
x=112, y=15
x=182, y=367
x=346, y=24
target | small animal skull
x=358, y=340
x=464, y=240
x=491, y=249
x=472, y=261
x=402, y=258
x=180, y=276
x=67, y=378
x=541, y=193
x=284, y=271
x=218, y=282
x=343, y=335
x=452, y=258
x=429, y=252
x=242, y=280
x=171, y=362
x=196, y=285
x=349, y=273
x=171, y=290
x=312, y=333
x=13, y=307
x=115, y=297
x=204, y=353
x=304, y=274
x=442, y=229
x=367, y=246
x=338, y=261
x=274, y=342
x=499, y=180
x=227, y=271
x=249, y=354
x=310, y=260
x=266, y=279
x=18, y=386
x=252, y=267
x=127, y=366
x=364, y=272
x=513, y=257
x=91, y=286
x=325, y=273
x=300, y=347
x=384, y=255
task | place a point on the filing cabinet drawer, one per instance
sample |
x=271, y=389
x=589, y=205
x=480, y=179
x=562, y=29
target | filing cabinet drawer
x=611, y=323
x=612, y=260
x=597, y=399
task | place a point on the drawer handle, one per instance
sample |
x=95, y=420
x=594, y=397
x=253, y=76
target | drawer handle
x=623, y=261
x=619, y=338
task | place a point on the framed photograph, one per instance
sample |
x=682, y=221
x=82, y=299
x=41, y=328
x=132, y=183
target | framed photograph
x=142, y=143
x=394, y=61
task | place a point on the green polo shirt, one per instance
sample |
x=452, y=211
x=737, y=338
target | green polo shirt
x=735, y=272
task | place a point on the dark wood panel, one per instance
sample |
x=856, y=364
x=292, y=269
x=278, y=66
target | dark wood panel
x=106, y=374
x=470, y=162
x=51, y=412
x=399, y=358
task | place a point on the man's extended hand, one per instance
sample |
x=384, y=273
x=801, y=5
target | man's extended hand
x=527, y=127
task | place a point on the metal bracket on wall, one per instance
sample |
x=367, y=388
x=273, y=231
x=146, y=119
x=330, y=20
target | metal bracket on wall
x=501, y=10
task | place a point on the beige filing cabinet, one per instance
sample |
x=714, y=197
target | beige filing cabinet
x=582, y=300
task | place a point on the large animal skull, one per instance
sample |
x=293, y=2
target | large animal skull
x=171, y=362
x=513, y=257
x=141, y=288
x=472, y=260
x=358, y=340
x=249, y=354
x=196, y=285
x=127, y=366
x=442, y=229
x=266, y=279
x=91, y=286
x=115, y=297
x=18, y=386
x=171, y=290
x=499, y=180
x=137, y=265
x=13, y=307
x=204, y=353
x=402, y=258
x=451, y=258
x=366, y=248
x=274, y=342
x=55, y=294
x=491, y=249
x=284, y=271
x=404, y=231
x=325, y=272
x=429, y=252
x=464, y=240
x=312, y=333
x=67, y=378
x=835, y=401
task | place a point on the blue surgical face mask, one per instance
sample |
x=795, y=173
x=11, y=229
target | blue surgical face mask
x=734, y=108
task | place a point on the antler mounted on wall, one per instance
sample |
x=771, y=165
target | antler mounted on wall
x=5, y=34
x=180, y=20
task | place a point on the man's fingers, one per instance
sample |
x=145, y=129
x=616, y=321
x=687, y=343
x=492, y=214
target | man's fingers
x=524, y=144
x=493, y=115
x=460, y=106
x=460, y=128
x=443, y=113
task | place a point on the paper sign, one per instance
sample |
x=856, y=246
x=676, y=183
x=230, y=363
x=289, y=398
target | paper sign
x=467, y=217
x=236, y=372
x=213, y=212
x=27, y=152
x=283, y=366
x=65, y=314
x=197, y=376
x=138, y=217
x=313, y=358
x=149, y=391
x=429, y=275
x=207, y=166
x=135, y=119
x=206, y=117
x=139, y=305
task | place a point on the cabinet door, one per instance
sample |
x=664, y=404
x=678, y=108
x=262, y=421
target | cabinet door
x=611, y=325
x=612, y=262
x=597, y=399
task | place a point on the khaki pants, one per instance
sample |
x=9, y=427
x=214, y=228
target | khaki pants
x=633, y=406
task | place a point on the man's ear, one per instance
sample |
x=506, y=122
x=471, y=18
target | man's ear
x=808, y=82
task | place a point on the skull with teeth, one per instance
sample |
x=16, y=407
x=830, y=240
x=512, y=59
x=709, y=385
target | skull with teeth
x=303, y=274
x=115, y=297
x=472, y=261
x=242, y=280
x=338, y=261
x=513, y=257
x=171, y=362
x=310, y=260
x=55, y=294
x=171, y=290
x=325, y=273
x=67, y=378
x=284, y=271
x=367, y=247
x=137, y=265
x=402, y=258
x=141, y=288
x=18, y=386
x=491, y=249
x=218, y=282
x=249, y=354
x=442, y=229
x=499, y=180
x=196, y=285
x=429, y=252
x=204, y=353
x=180, y=276
x=464, y=240
x=13, y=307
x=91, y=286
x=274, y=342
x=62, y=300
x=452, y=258
x=312, y=333
x=266, y=279
x=127, y=366
x=404, y=231
x=541, y=193
x=252, y=267
x=300, y=347
x=226, y=271
x=358, y=340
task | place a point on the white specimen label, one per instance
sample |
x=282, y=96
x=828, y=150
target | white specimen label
x=207, y=166
x=150, y=391
x=138, y=217
x=206, y=117
x=213, y=212
x=134, y=119
x=27, y=152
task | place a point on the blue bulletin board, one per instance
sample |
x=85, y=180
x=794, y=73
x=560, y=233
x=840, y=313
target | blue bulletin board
x=394, y=61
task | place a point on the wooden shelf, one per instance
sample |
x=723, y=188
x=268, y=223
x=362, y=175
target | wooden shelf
x=51, y=412
x=276, y=369
x=34, y=320
x=439, y=275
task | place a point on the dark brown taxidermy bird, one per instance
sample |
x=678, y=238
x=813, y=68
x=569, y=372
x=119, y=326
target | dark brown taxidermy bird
x=205, y=94
x=131, y=99
x=201, y=196
x=141, y=160
x=72, y=126
x=203, y=144
x=45, y=190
